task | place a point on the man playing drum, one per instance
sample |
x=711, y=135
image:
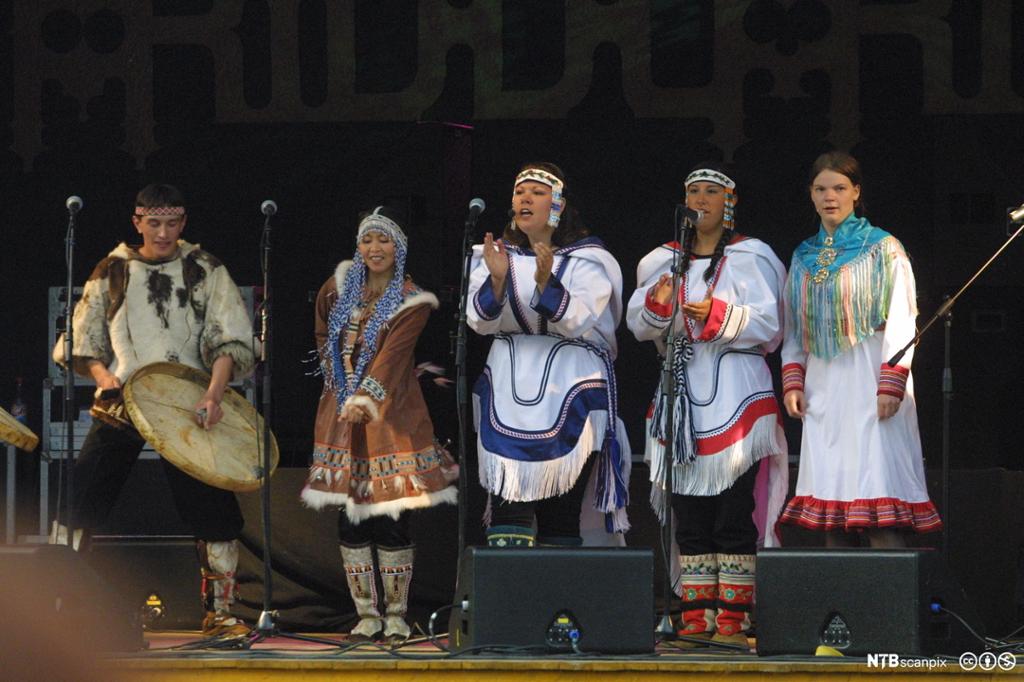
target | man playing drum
x=164, y=301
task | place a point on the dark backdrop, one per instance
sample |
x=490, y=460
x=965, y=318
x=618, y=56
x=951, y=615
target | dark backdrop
x=328, y=108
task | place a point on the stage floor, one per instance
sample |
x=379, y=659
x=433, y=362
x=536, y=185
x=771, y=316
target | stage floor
x=171, y=656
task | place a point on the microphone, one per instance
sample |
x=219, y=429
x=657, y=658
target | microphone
x=74, y=204
x=1016, y=215
x=476, y=207
x=688, y=215
x=268, y=208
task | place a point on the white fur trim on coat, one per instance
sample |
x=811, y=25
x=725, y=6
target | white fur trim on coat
x=339, y=275
x=423, y=296
x=318, y=499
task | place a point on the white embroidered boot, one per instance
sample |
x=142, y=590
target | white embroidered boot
x=362, y=585
x=218, y=561
x=396, y=575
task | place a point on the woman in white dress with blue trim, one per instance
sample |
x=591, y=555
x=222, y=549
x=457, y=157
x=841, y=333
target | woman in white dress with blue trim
x=551, y=295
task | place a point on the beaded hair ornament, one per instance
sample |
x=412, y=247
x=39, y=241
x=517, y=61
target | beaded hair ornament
x=552, y=181
x=719, y=178
x=143, y=211
x=348, y=308
x=378, y=222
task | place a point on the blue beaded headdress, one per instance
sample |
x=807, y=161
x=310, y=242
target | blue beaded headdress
x=382, y=220
x=378, y=221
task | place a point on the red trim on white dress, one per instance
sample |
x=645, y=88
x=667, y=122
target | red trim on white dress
x=738, y=431
x=716, y=317
x=882, y=512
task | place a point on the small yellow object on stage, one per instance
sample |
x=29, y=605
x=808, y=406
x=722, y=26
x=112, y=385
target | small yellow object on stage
x=823, y=650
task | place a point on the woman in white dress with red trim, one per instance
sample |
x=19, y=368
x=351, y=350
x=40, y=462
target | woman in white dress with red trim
x=727, y=419
x=851, y=305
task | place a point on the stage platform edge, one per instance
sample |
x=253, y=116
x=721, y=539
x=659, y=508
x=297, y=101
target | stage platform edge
x=276, y=661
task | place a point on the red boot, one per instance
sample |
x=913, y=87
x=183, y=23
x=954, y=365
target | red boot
x=699, y=594
x=735, y=595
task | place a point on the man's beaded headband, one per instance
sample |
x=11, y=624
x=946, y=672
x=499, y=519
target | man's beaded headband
x=552, y=181
x=378, y=222
x=141, y=211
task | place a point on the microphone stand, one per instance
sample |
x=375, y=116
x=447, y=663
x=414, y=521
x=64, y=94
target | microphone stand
x=265, y=626
x=665, y=630
x=461, y=386
x=68, y=460
x=945, y=311
x=947, y=402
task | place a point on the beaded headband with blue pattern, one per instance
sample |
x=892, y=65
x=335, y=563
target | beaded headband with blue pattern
x=552, y=181
x=378, y=222
x=719, y=178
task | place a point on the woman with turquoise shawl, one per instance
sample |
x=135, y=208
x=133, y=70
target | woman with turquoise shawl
x=850, y=306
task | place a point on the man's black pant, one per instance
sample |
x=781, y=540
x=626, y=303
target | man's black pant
x=103, y=466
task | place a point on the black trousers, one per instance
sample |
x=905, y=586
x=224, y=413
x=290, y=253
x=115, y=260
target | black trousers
x=103, y=466
x=382, y=531
x=557, y=517
x=721, y=523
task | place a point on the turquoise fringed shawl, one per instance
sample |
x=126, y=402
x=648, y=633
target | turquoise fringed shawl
x=836, y=303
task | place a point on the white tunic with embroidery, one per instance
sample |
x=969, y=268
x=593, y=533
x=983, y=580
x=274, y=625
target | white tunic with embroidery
x=541, y=404
x=733, y=407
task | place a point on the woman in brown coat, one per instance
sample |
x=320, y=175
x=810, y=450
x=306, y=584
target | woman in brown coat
x=374, y=452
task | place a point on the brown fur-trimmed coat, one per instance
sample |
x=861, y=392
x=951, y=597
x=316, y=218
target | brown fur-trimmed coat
x=391, y=463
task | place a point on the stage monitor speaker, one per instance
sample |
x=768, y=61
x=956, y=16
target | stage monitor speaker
x=158, y=576
x=860, y=601
x=543, y=598
x=50, y=590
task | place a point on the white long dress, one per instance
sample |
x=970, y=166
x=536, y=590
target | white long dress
x=856, y=470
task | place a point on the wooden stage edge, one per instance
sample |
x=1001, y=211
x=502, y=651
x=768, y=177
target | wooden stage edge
x=508, y=670
x=280, y=660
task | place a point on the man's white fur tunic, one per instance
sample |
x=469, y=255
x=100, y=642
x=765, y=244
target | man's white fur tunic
x=135, y=312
